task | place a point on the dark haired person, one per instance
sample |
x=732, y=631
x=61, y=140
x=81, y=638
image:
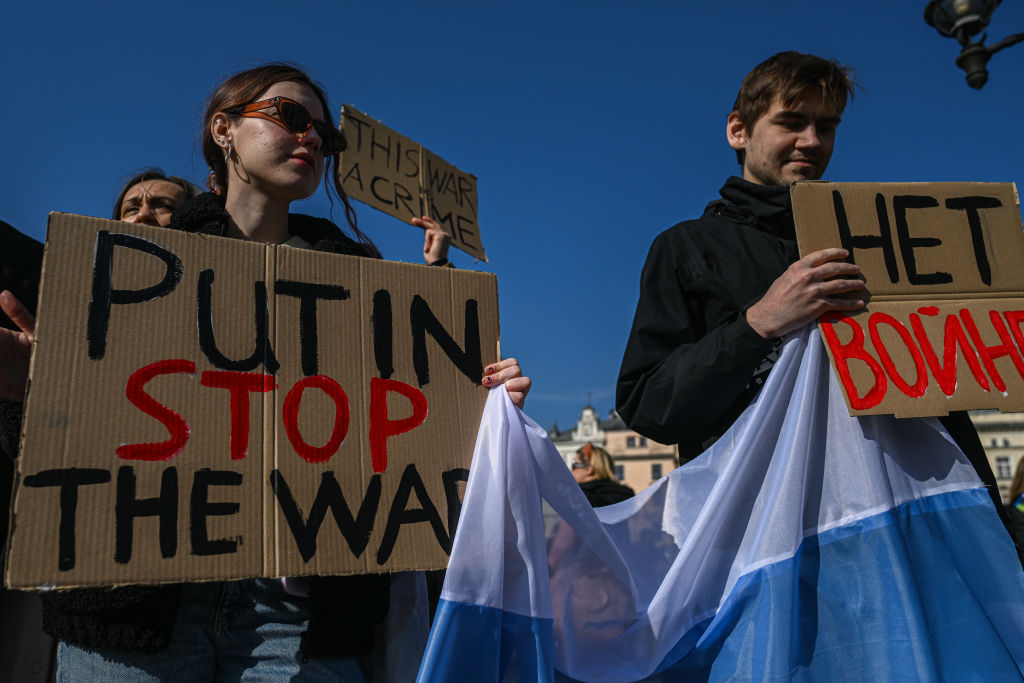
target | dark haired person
x=717, y=293
x=268, y=144
x=151, y=197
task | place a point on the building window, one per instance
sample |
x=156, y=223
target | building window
x=630, y=442
x=1003, y=470
x=995, y=442
x=656, y=471
x=1006, y=443
x=620, y=472
x=643, y=441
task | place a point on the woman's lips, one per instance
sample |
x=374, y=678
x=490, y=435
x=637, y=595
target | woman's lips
x=304, y=159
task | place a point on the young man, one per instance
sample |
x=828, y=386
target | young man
x=717, y=293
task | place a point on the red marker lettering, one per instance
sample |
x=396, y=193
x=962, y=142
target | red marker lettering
x=842, y=353
x=921, y=383
x=990, y=353
x=381, y=427
x=178, y=428
x=240, y=384
x=290, y=415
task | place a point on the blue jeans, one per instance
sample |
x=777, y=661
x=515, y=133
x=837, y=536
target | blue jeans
x=234, y=631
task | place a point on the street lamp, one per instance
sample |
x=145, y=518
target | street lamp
x=962, y=19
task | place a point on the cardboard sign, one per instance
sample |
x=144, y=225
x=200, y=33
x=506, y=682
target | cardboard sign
x=205, y=408
x=388, y=171
x=942, y=262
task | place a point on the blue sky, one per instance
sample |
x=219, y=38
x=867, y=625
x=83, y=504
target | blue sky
x=592, y=126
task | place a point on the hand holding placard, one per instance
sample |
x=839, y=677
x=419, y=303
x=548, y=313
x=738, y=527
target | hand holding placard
x=805, y=292
x=944, y=327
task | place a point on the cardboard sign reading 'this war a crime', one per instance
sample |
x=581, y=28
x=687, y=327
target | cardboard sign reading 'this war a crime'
x=944, y=326
x=205, y=408
x=388, y=171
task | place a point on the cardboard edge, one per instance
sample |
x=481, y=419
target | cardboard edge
x=16, y=481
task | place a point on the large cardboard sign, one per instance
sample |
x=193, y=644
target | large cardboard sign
x=388, y=171
x=204, y=408
x=942, y=262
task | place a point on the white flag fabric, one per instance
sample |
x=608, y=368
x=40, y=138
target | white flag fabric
x=805, y=544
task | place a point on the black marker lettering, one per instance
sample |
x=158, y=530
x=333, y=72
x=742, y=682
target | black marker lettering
x=103, y=293
x=308, y=294
x=262, y=353
x=68, y=480
x=128, y=507
x=328, y=497
x=400, y=514
x=900, y=205
x=383, y=346
x=200, y=508
x=971, y=206
x=468, y=360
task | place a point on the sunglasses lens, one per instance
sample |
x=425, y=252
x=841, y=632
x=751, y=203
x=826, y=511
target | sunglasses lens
x=295, y=117
x=334, y=141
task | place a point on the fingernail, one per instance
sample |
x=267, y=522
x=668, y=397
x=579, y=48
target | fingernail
x=487, y=381
x=489, y=369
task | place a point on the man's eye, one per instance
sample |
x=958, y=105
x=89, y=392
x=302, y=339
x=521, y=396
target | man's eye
x=128, y=210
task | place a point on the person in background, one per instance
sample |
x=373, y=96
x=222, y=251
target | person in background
x=594, y=470
x=1015, y=510
x=150, y=197
x=266, y=140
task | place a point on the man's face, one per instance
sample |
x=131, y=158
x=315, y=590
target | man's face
x=786, y=144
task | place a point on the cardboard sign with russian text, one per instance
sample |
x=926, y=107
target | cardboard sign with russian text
x=942, y=329
x=204, y=408
x=388, y=171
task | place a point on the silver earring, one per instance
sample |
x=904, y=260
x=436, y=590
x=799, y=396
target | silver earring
x=227, y=151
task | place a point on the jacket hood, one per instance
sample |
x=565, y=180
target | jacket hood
x=767, y=207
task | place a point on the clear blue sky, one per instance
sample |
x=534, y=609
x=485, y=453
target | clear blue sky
x=592, y=126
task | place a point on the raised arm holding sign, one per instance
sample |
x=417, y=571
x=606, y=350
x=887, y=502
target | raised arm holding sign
x=253, y=410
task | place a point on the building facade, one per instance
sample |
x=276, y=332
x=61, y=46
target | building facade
x=1002, y=435
x=639, y=461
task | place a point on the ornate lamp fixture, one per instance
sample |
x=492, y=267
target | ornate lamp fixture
x=962, y=19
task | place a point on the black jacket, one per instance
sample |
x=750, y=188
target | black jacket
x=691, y=359
x=692, y=363
x=343, y=611
x=601, y=492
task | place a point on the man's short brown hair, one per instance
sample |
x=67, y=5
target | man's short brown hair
x=788, y=76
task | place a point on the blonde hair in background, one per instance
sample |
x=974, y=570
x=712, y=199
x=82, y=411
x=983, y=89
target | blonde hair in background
x=600, y=460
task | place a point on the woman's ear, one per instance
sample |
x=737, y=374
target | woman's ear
x=221, y=129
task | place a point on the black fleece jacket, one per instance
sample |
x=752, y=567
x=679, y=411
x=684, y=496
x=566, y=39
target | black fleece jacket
x=343, y=610
x=692, y=363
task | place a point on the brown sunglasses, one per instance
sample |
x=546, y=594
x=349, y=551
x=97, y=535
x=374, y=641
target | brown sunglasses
x=294, y=118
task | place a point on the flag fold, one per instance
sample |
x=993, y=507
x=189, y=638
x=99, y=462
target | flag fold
x=805, y=544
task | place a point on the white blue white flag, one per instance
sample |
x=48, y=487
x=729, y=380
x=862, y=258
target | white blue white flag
x=805, y=544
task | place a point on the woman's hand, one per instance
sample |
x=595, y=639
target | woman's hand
x=435, y=242
x=15, y=348
x=507, y=372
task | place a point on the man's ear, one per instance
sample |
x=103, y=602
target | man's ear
x=736, y=132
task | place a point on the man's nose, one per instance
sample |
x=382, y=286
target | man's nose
x=809, y=137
